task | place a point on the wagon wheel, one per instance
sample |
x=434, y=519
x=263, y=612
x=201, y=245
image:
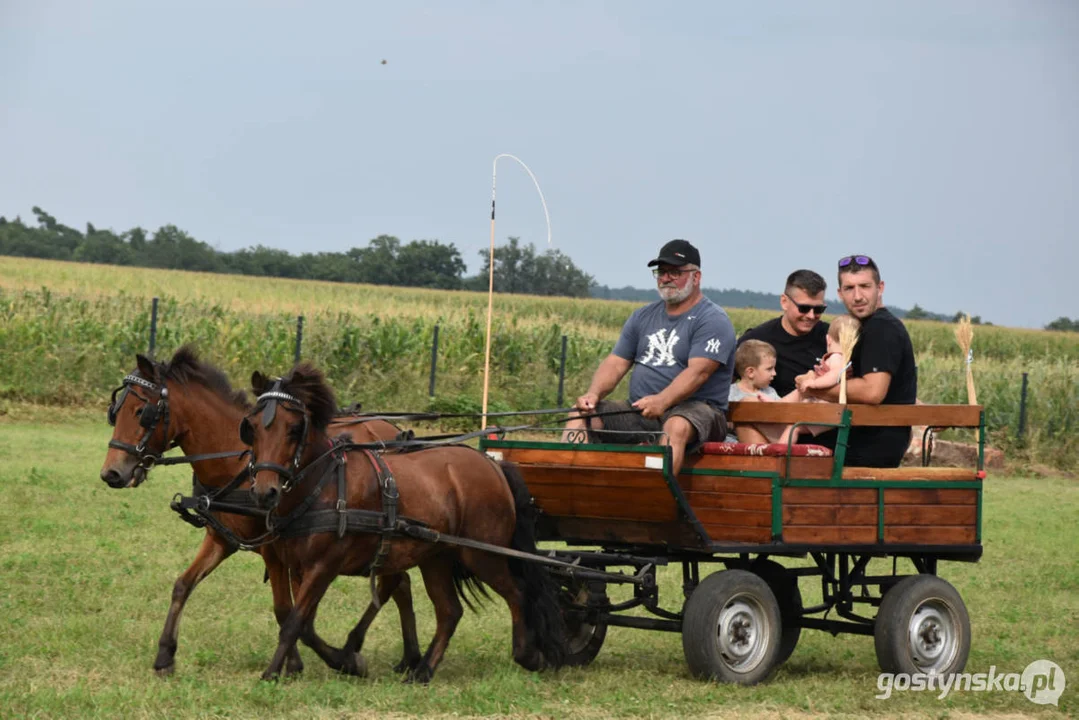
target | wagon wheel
x=922, y=626
x=731, y=628
x=585, y=630
x=784, y=585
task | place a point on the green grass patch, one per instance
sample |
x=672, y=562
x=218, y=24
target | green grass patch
x=87, y=573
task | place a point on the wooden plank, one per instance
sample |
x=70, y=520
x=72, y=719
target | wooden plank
x=930, y=496
x=576, y=458
x=829, y=515
x=922, y=535
x=886, y=415
x=829, y=496
x=720, y=483
x=546, y=475
x=901, y=415
x=608, y=508
x=942, y=474
x=608, y=532
x=930, y=515
x=784, y=413
x=729, y=501
x=809, y=468
x=830, y=534
x=734, y=518
x=630, y=495
x=727, y=533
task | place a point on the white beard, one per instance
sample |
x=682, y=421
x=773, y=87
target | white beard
x=674, y=296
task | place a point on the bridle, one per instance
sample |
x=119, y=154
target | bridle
x=152, y=415
x=267, y=403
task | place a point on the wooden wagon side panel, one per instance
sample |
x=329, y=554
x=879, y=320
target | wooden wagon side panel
x=829, y=516
x=602, y=497
x=931, y=516
x=732, y=508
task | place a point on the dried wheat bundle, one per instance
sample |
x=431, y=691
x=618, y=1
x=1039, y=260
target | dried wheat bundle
x=848, y=338
x=964, y=335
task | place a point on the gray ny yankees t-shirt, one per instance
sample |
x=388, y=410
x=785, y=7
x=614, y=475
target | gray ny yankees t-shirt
x=660, y=346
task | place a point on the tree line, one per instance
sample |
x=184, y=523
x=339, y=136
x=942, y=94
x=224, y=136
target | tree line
x=385, y=261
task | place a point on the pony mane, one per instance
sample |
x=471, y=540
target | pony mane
x=307, y=383
x=185, y=367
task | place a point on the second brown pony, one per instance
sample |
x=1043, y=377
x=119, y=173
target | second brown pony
x=451, y=489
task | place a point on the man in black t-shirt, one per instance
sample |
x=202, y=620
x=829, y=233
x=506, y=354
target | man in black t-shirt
x=883, y=370
x=798, y=334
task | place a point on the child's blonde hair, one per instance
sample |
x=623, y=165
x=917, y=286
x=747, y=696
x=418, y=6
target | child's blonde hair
x=750, y=354
x=840, y=322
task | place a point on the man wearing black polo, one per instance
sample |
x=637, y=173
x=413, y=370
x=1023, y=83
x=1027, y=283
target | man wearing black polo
x=883, y=366
x=798, y=334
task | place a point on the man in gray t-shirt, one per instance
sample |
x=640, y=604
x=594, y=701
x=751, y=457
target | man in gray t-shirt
x=681, y=351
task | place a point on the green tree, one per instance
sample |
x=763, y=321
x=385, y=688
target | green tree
x=917, y=313
x=1063, y=323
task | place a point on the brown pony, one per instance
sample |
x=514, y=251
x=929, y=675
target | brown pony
x=189, y=403
x=445, y=490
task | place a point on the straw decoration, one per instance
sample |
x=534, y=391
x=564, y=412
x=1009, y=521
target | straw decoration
x=848, y=338
x=964, y=335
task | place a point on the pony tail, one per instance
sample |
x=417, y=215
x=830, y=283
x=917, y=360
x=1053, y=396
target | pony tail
x=542, y=613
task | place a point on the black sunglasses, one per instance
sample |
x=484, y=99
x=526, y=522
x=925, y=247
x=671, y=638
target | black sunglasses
x=806, y=308
x=863, y=260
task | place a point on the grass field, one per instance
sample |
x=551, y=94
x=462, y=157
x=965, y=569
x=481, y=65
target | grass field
x=87, y=572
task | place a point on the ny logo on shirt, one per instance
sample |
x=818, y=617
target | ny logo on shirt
x=660, y=348
x=712, y=346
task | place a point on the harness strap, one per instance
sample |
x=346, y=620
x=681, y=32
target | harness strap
x=388, y=489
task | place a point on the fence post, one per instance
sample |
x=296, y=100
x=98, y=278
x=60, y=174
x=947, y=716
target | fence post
x=434, y=363
x=153, y=327
x=299, y=337
x=562, y=372
x=1023, y=409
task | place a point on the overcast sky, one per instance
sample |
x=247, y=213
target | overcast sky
x=940, y=137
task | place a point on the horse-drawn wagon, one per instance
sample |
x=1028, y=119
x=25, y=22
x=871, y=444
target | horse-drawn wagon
x=612, y=508
x=742, y=505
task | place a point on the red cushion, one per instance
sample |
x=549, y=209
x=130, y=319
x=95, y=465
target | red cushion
x=773, y=449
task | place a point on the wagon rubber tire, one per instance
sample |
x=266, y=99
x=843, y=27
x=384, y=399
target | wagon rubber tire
x=784, y=585
x=584, y=637
x=922, y=626
x=731, y=628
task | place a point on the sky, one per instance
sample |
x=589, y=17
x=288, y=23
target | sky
x=941, y=137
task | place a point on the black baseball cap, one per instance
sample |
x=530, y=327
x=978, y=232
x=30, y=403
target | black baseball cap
x=677, y=253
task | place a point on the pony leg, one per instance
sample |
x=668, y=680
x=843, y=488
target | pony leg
x=494, y=571
x=300, y=619
x=281, y=586
x=212, y=552
x=399, y=586
x=438, y=580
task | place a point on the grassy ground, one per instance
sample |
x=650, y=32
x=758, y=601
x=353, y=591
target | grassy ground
x=86, y=572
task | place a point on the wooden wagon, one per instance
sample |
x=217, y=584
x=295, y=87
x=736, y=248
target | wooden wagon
x=741, y=505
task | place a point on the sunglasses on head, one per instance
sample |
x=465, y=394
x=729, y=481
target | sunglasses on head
x=806, y=308
x=864, y=260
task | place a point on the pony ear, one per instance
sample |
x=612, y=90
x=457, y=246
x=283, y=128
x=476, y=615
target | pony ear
x=258, y=382
x=146, y=367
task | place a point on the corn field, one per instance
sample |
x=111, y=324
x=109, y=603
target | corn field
x=69, y=332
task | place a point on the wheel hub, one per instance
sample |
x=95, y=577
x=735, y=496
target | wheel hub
x=933, y=637
x=742, y=633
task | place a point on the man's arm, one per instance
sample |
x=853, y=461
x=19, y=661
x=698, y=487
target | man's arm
x=868, y=390
x=606, y=378
x=687, y=382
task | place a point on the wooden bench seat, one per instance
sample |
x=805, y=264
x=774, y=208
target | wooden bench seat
x=943, y=474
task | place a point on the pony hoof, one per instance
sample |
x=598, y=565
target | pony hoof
x=269, y=676
x=421, y=674
x=166, y=671
x=406, y=665
x=294, y=671
x=355, y=666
